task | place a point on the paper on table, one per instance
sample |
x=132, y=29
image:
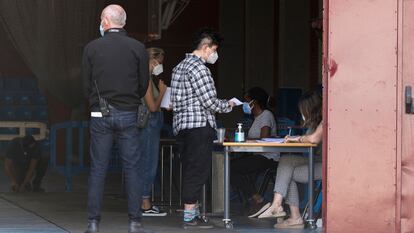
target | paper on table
x=166, y=99
x=236, y=101
x=273, y=140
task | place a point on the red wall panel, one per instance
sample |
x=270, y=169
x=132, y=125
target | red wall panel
x=361, y=116
x=405, y=181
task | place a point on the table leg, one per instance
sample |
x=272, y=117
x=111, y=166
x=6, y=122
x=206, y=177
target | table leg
x=171, y=173
x=310, y=220
x=162, y=174
x=181, y=181
x=204, y=205
x=227, y=221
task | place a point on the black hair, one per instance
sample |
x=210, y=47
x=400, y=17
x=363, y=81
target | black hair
x=260, y=95
x=28, y=142
x=206, y=33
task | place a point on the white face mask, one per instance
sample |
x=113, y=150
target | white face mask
x=212, y=58
x=101, y=30
x=158, y=69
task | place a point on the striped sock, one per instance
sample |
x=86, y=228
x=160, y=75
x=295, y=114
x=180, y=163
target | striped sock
x=189, y=215
x=197, y=210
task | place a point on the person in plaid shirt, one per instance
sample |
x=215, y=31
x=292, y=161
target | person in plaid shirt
x=194, y=101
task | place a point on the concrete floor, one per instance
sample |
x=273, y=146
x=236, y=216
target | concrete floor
x=58, y=211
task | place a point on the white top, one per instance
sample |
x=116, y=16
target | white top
x=265, y=119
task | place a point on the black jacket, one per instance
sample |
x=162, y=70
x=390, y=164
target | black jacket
x=119, y=64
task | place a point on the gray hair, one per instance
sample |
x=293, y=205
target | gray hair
x=116, y=14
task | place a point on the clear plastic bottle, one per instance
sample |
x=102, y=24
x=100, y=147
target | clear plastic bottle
x=239, y=134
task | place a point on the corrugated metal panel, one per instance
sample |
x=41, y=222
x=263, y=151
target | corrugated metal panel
x=362, y=104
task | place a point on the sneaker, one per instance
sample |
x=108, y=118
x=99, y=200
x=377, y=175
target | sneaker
x=154, y=211
x=197, y=223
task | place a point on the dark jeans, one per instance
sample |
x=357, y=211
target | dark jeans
x=151, y=135
x=120, y=127
x=244, y=171
x=196, y=146
x=41, y=168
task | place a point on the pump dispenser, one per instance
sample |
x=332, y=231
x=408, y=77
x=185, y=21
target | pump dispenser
x=239, y=134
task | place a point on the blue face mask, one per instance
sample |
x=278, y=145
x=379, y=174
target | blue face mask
x=246, y=108
x=101, y=30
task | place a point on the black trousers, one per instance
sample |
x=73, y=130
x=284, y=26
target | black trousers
x=40, y=171
x=244, y=171
x=196, y=146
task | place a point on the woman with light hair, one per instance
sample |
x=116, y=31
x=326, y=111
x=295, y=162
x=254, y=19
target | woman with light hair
x=152, y=131
x=293, y=169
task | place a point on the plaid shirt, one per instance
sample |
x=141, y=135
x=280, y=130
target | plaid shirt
x=193, y=95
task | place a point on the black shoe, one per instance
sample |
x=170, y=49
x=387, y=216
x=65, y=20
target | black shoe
x=136, y=227
x=197, y=223
x=93, y=226
x=154, y=211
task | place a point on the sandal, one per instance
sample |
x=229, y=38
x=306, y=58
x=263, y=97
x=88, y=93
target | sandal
x=291, y=223
x=278, y=213
x=259, y=211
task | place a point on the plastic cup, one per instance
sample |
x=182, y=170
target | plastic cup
x=220, y=134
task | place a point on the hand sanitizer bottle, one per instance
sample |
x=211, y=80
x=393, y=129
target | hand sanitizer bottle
x=239, y=135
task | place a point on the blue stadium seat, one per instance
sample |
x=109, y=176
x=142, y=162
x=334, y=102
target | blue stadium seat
x=40, y=114
x=32, y=131
x=7, y=113
x=6, y=99
x=24, y=100
x=9, y=130
x=23, y=114
x=39, y=100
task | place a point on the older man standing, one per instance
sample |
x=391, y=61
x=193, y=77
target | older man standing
x=115, y=72
x=195, y=103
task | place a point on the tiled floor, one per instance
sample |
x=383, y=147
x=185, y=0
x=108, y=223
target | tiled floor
x=15, y=219
x=58, y=211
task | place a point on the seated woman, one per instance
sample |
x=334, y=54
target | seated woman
x=294, y=168
x=263, y=126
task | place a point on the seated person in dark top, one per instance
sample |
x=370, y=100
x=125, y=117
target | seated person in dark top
x=24, y=164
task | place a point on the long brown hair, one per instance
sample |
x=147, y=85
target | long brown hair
x=310, y=105
x=155, y=53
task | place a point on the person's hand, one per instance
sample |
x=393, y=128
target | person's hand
x=161, y=86
x=14, y=187
x=232, y=104
x=292, y=139
x=170, y=108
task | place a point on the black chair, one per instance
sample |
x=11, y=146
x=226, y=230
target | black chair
x=269, y=176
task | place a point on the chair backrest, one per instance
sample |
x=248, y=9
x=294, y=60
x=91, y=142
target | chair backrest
x=287, y=102
x=284, y=124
